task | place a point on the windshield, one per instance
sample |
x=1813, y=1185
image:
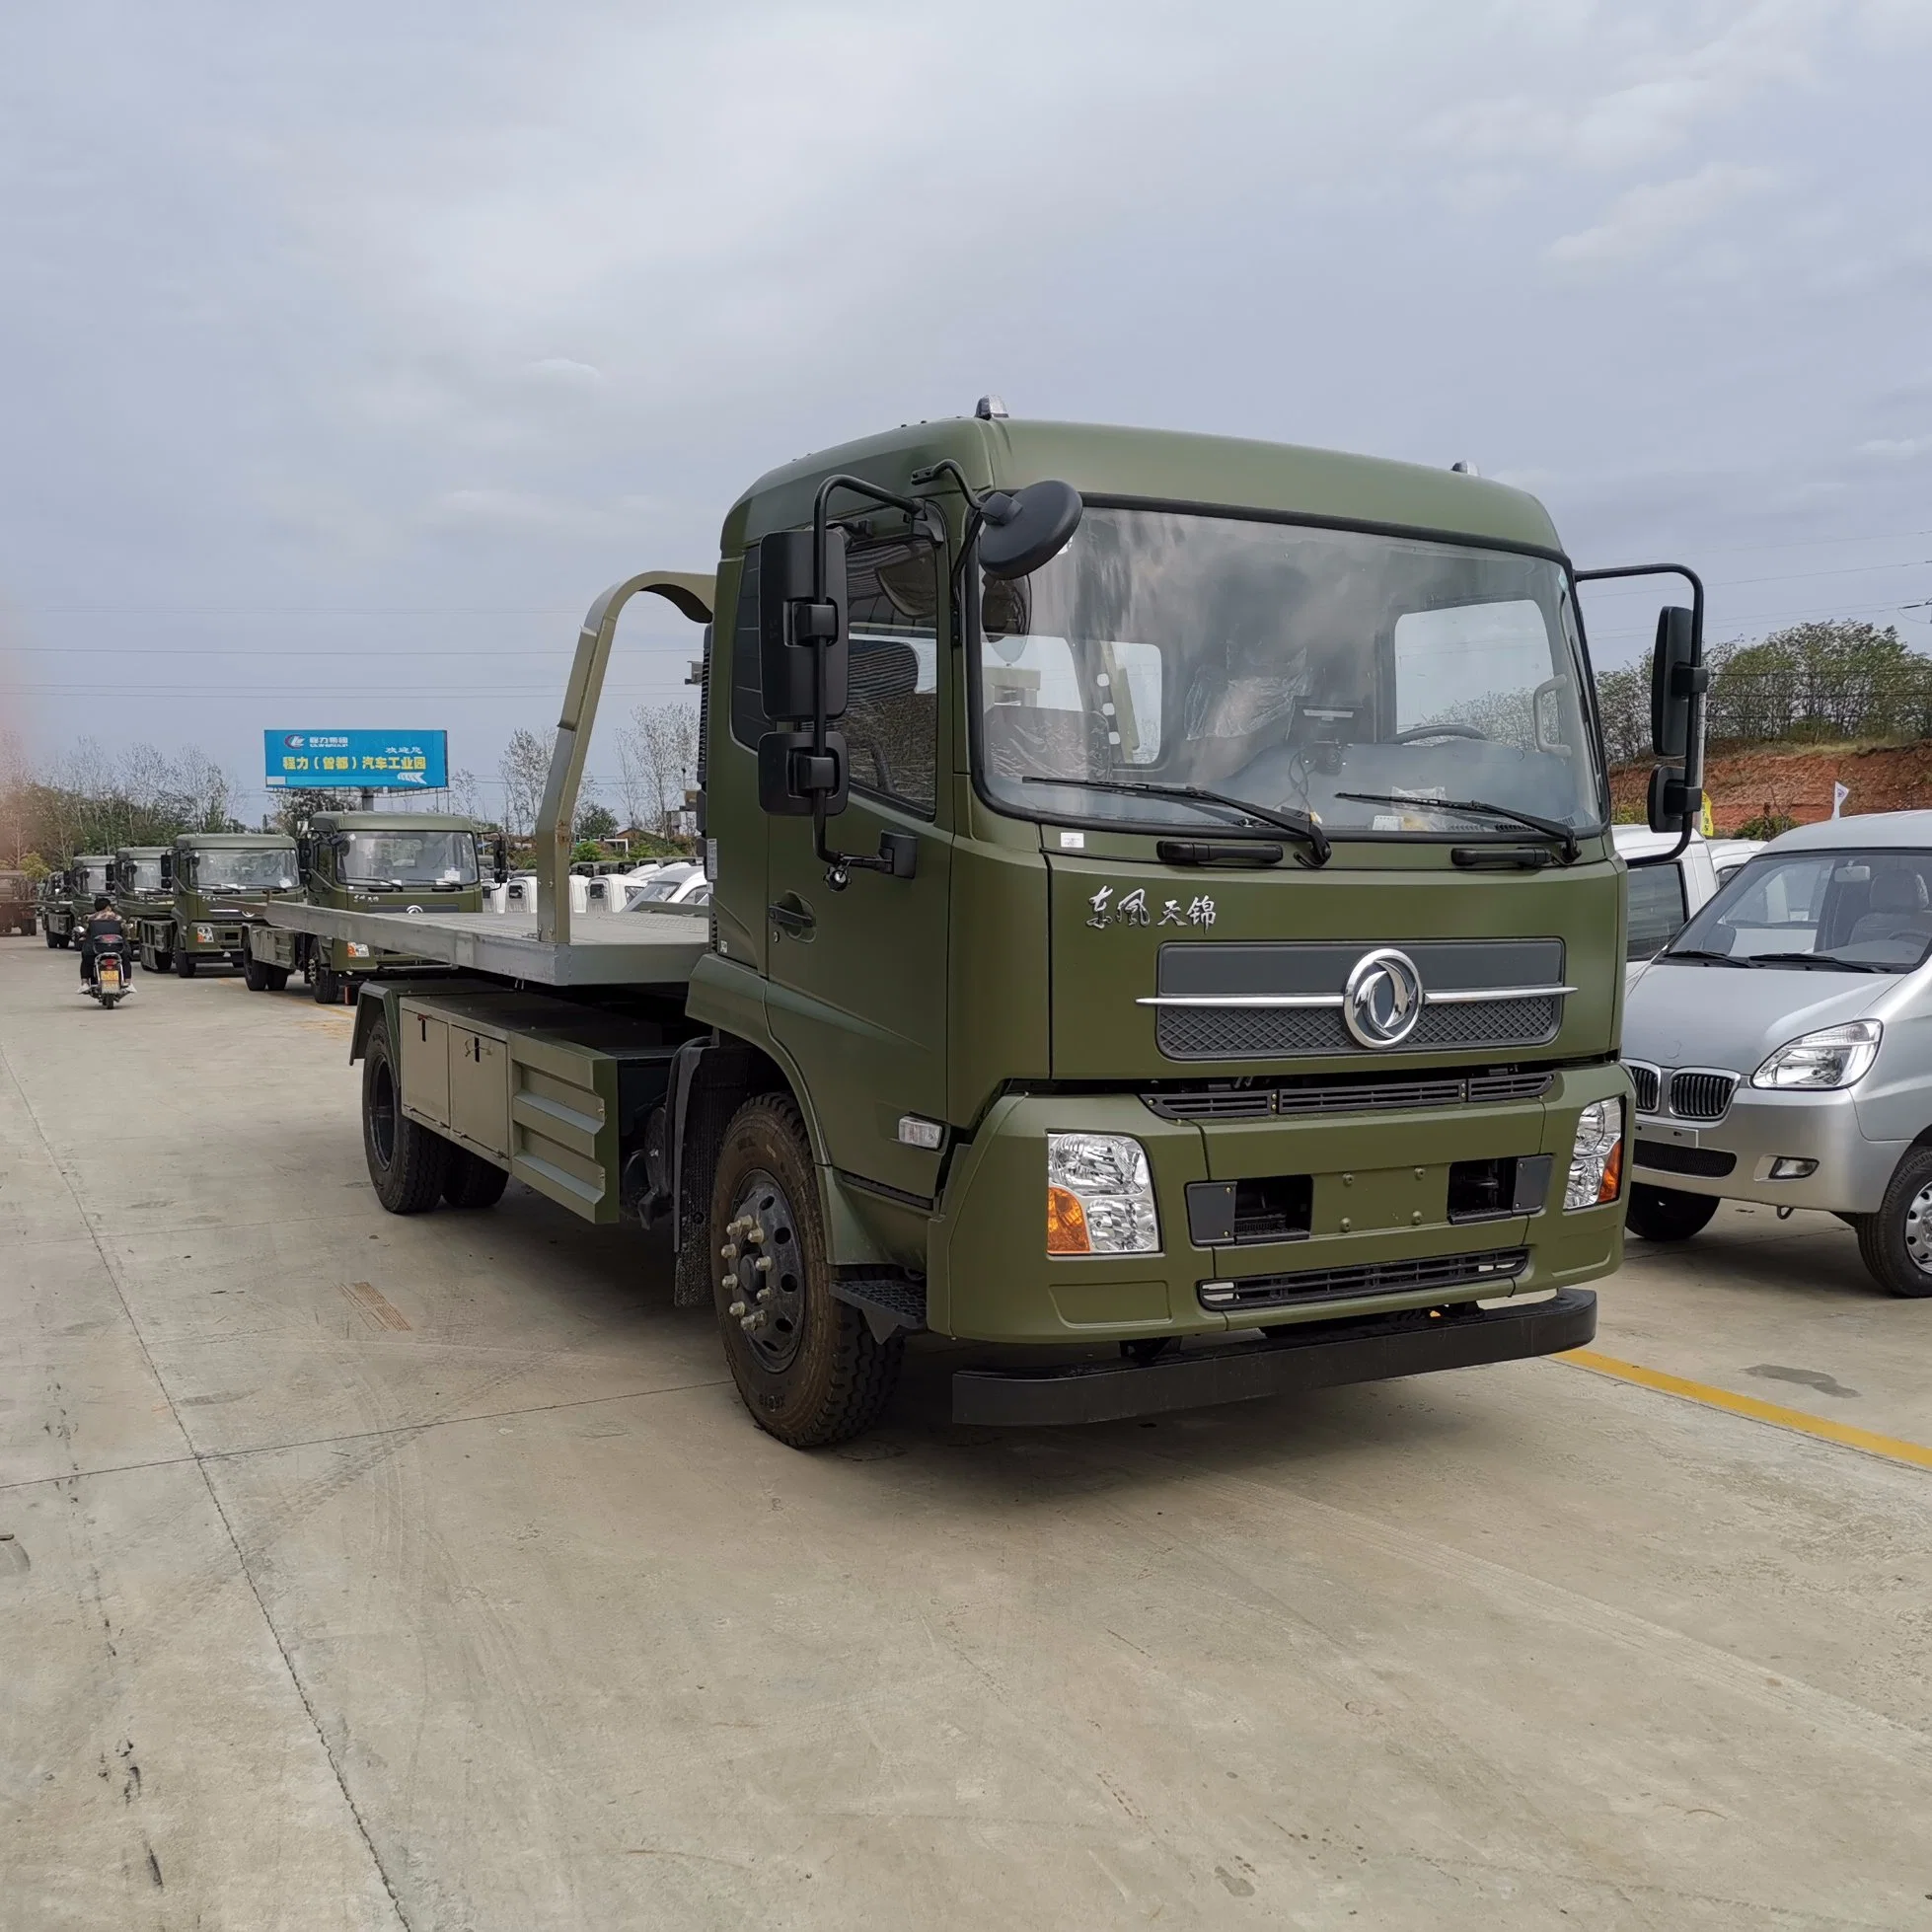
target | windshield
x=403, y=858
x=1845, y=911
x=90, y=878
x=663, y=885
x=1284, y=666
x=268, y=868
x=142, y=874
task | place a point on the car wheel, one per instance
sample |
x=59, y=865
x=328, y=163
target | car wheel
x=407, y=1162
x=1663, y=1214
x=807, y=1365
x=1895, y=1243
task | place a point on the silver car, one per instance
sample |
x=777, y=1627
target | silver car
x=1781, y=1046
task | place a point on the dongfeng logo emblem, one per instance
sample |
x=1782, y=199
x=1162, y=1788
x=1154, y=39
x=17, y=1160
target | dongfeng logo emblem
x=1382, y=1000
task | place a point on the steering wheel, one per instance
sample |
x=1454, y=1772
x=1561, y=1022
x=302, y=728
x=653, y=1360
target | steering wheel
x=1417, y=732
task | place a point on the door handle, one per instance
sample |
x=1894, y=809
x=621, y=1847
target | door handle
x=791, y=915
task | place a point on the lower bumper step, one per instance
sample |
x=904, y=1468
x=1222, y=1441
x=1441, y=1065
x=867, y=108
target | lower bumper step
x=1375, y=1349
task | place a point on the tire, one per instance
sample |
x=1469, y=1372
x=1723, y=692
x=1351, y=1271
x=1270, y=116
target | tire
x=326, y=983
x=277, y=976
x=163, y=962
x=1664, y=1213
x=472, y=1181
x=407, y=1163
x=184, y=963
x=254, y=975
x=815, y=1373
x=1887, y=1240
x=52, y=942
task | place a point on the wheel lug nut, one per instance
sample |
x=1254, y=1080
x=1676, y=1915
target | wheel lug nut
x=762, y=1264
x=756, y=1236
x=731, y=1283
x=738, y=1310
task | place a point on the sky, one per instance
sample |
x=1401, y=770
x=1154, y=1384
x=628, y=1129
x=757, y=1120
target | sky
x=349, y=352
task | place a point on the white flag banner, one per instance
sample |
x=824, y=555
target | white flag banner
x=1840, y=793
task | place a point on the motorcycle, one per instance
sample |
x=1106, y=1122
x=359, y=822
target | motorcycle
x=108, y=981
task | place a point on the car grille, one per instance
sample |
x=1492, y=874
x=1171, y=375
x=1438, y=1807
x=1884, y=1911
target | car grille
x=1648, y=1084
x=1279, y=1032
x=1662, y=1158
x=1701, y=1097
x=1312, y=1285
x=1288, y=1101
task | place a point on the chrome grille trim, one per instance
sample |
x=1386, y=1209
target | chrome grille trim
x=1649, y=1084
x=1701, y=1093
x=1250, y=1032
x=1463, y=996
x=1290, y=1102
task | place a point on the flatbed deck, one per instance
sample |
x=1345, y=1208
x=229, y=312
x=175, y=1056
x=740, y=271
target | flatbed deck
x=658, y=948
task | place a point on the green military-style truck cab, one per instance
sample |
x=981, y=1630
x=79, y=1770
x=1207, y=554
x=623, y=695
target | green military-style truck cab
x=70, y=901
x=216, y=885
x=140, y=889
x=19, y=904
x=1165, y=926
x=409, y=863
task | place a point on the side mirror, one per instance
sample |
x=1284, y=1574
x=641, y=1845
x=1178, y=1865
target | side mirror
x=167, y=868
x=1676, y=679
x=1670, y=800
x=305, y=854
x=1026, y=527
x=797, y=630
x=500, y=854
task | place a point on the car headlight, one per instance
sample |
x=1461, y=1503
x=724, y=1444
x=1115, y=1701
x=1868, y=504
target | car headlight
x=1596, y=1156
x=1100, y=1196
x=357, y=950
x=1835, y=1057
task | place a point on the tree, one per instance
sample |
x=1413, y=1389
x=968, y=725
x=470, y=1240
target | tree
x=293, y=808
x=1833, y=679
x=657, y=755
x=1623, y=703
x=596, y=822
x=525, y=769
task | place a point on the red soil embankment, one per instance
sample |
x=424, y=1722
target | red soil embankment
x=1796, y=781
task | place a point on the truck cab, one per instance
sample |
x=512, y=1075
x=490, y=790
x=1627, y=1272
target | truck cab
x=375, y=862
x=140, y=890
x=70, y=903
x=218, y=884
x=18, y=903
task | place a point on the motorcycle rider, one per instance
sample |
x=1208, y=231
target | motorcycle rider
x=105, y=924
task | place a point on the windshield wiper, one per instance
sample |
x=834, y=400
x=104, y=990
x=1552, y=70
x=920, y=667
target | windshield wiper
x=1825, y=959
x=1548, y=827
x=1298, y=826
x=1712, y=958
x=391, y=885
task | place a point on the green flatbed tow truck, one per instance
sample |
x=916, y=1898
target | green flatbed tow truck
x=411, y=862
x=70, y=901
x=213, y=886
x=1165, y=935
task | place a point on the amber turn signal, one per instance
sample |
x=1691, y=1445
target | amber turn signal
x=1067, y=1224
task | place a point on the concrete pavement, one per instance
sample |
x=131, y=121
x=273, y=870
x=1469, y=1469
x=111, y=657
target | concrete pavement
x=363, y=1572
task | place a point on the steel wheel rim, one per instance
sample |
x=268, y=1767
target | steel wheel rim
x=1918, y=1229
x=764, y=1228
x=382, y=1114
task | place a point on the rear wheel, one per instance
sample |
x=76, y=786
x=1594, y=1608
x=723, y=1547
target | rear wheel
x=1895, y=1243
x=472, y=1181
x=1663, y=1214
x=184, y=963
x=407, y=1163
x=808, y=1366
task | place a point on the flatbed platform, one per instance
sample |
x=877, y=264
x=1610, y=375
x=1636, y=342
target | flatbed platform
x=656, y=948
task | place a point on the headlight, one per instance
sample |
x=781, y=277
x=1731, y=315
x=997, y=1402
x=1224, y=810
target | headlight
x=205, y=936
x=1100, y=1196
x=1836, y=1057
x=357, y=950
x=1596, y=1156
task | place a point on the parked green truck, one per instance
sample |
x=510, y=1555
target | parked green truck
x=369, y=861
x=214, y=885
x=1167, y=931
x=71, y=895
x=19, y=904
x=137, y=885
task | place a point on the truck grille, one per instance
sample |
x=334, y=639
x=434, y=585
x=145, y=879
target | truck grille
x=1649, y=1086
x=1279, y=1032
x=1287, y=1099
x=1701, y=1097
x=1310, y=1285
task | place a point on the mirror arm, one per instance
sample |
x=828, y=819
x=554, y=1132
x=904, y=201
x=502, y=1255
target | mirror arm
x=1693, y=764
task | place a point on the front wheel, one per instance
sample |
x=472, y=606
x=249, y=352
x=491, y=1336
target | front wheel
x=184, y=963
x=326, y=983
x=254, y=975
x=1663, y=1214
x=407, y=1163
x=1895, y=1243
x=808, y=1366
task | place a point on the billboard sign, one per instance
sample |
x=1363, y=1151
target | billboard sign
x=346, y=761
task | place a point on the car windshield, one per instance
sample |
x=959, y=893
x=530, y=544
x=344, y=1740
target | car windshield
x=91, y=878
x=404, y=859
x=1286, y=667
x=1846, y=911
x=661, y=886
x=142, y=874
x=262, y=868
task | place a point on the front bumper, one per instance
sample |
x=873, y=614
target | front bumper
x=1732, y=1157
x=1380, y=1218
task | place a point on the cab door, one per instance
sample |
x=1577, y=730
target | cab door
x=857, y=978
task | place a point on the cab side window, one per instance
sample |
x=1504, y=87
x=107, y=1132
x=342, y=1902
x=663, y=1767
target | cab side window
x=891, y=724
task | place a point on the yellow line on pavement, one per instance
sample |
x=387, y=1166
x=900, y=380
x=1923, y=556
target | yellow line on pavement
x=1892, y=1448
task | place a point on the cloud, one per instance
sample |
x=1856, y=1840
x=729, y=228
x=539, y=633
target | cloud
x=1887, y=449
x=1640, y=220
